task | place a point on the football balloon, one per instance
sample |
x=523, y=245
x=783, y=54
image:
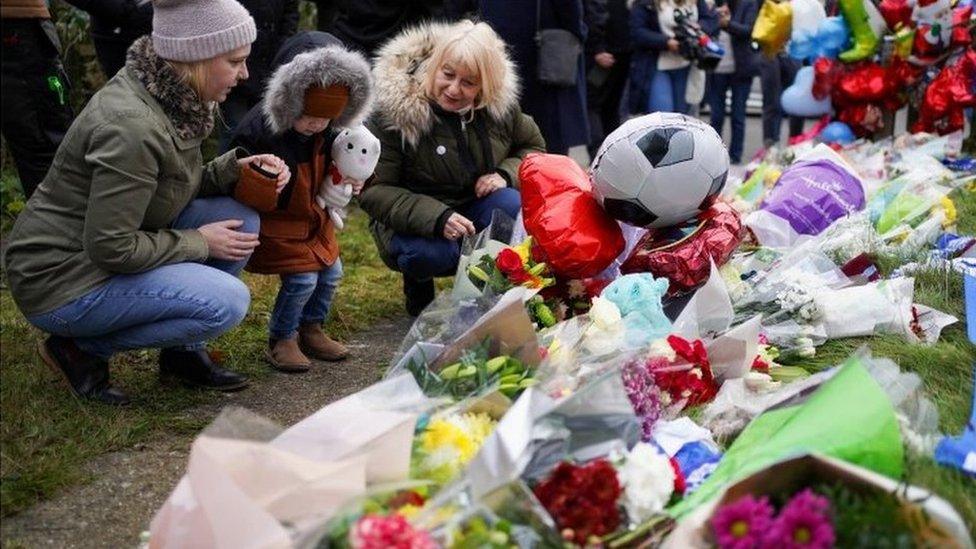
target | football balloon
x=659, y=170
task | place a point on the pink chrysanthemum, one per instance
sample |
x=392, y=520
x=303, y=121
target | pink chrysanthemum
x=742, y=523
x=803, y=523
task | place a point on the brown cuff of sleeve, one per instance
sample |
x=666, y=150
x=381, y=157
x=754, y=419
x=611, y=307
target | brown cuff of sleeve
x=256, y=188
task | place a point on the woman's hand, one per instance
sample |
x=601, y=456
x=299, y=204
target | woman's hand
x=357, y=185
x=226, y=243
x=457, y=226
x=488, y=183
x=270, y=163
x=673, y=45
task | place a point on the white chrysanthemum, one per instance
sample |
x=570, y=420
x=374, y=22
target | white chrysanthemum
x=648, y=482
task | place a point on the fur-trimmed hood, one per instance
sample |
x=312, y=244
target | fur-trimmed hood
x=316, y=58
x=399, y=71
x=191, y=117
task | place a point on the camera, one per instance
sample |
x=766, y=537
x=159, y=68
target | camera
x=694, y=44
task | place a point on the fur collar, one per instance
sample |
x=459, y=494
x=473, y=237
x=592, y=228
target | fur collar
x=398, y=71
x=191, y=117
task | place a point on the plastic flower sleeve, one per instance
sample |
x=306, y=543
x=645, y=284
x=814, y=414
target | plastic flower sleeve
x=849, y=417
x=592, y=422
x=538, y=433
x=493, y=239
x=877, y=307
x=377, y=423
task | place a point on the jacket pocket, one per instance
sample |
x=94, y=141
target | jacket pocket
x=285, y=227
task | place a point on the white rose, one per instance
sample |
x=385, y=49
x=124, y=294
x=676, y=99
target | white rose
x=604, y=313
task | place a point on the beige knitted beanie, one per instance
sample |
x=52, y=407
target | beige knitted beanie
x=194, y=30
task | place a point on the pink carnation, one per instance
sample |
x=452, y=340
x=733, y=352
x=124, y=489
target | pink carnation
x=742, y=523
x=393, y=531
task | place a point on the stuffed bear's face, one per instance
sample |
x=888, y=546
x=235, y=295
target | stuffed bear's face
x=356, y=152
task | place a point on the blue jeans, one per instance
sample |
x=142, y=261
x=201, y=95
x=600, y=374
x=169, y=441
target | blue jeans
x=718, y=89
x=182, y=304
x=668, y=91
x=423, y=258
x=304, y=298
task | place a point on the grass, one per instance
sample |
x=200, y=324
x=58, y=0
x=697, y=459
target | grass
x=47, y=434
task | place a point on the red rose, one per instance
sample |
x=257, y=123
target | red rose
x=519, y=277
x=760, y=365
x=508, y=261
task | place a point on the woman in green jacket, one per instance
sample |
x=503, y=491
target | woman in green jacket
x=131, y=241
x=452, y=138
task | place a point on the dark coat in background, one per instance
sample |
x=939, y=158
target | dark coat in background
x=276, y=20
x=744, y=14
x=648, y=42
x=115, y=25
x=365, y=25
x=608, y=26
x=560, y=112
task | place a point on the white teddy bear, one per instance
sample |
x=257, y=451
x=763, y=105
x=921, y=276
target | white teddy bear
x=355, y=153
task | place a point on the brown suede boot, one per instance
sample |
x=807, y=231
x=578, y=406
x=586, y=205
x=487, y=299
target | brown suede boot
x=284, y=355
x=320, y=346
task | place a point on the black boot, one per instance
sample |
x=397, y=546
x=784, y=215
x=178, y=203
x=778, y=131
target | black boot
x=198, y=369
x=418, y=294
x=87, y=375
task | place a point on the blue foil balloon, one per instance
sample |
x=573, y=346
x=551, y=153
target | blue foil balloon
x=833, y=37
x=798, y=99
x=837, y=132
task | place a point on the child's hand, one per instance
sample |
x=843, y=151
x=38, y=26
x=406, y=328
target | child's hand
x=270, y=163
x=357, y=184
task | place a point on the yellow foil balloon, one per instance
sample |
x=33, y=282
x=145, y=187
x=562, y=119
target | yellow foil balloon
x=773, y=26
x=904, y=39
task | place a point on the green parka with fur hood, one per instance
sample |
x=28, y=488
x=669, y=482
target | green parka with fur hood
x=422, y=174
x=127, y=167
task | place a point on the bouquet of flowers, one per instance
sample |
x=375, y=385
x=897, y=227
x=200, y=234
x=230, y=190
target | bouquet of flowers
x=381, y=520
x=674, y=375
x=822, y=516
x=447, y=443
x=593, y=502
x=520, y=265
x=474, y=373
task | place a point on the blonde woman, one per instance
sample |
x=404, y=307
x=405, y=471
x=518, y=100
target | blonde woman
x=131, y=240
x=452, y=138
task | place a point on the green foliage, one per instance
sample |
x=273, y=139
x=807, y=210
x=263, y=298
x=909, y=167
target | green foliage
x=475, y=372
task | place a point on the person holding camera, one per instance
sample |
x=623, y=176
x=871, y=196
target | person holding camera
x=661, y=61
x=735, y=71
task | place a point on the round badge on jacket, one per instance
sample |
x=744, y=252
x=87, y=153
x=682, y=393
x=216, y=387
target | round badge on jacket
x=441, y=149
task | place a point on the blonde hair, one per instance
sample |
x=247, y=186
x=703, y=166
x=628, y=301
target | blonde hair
x=478, y=49
x=196, y=73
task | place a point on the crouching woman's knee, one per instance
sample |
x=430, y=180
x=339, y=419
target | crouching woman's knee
x=231, y=300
